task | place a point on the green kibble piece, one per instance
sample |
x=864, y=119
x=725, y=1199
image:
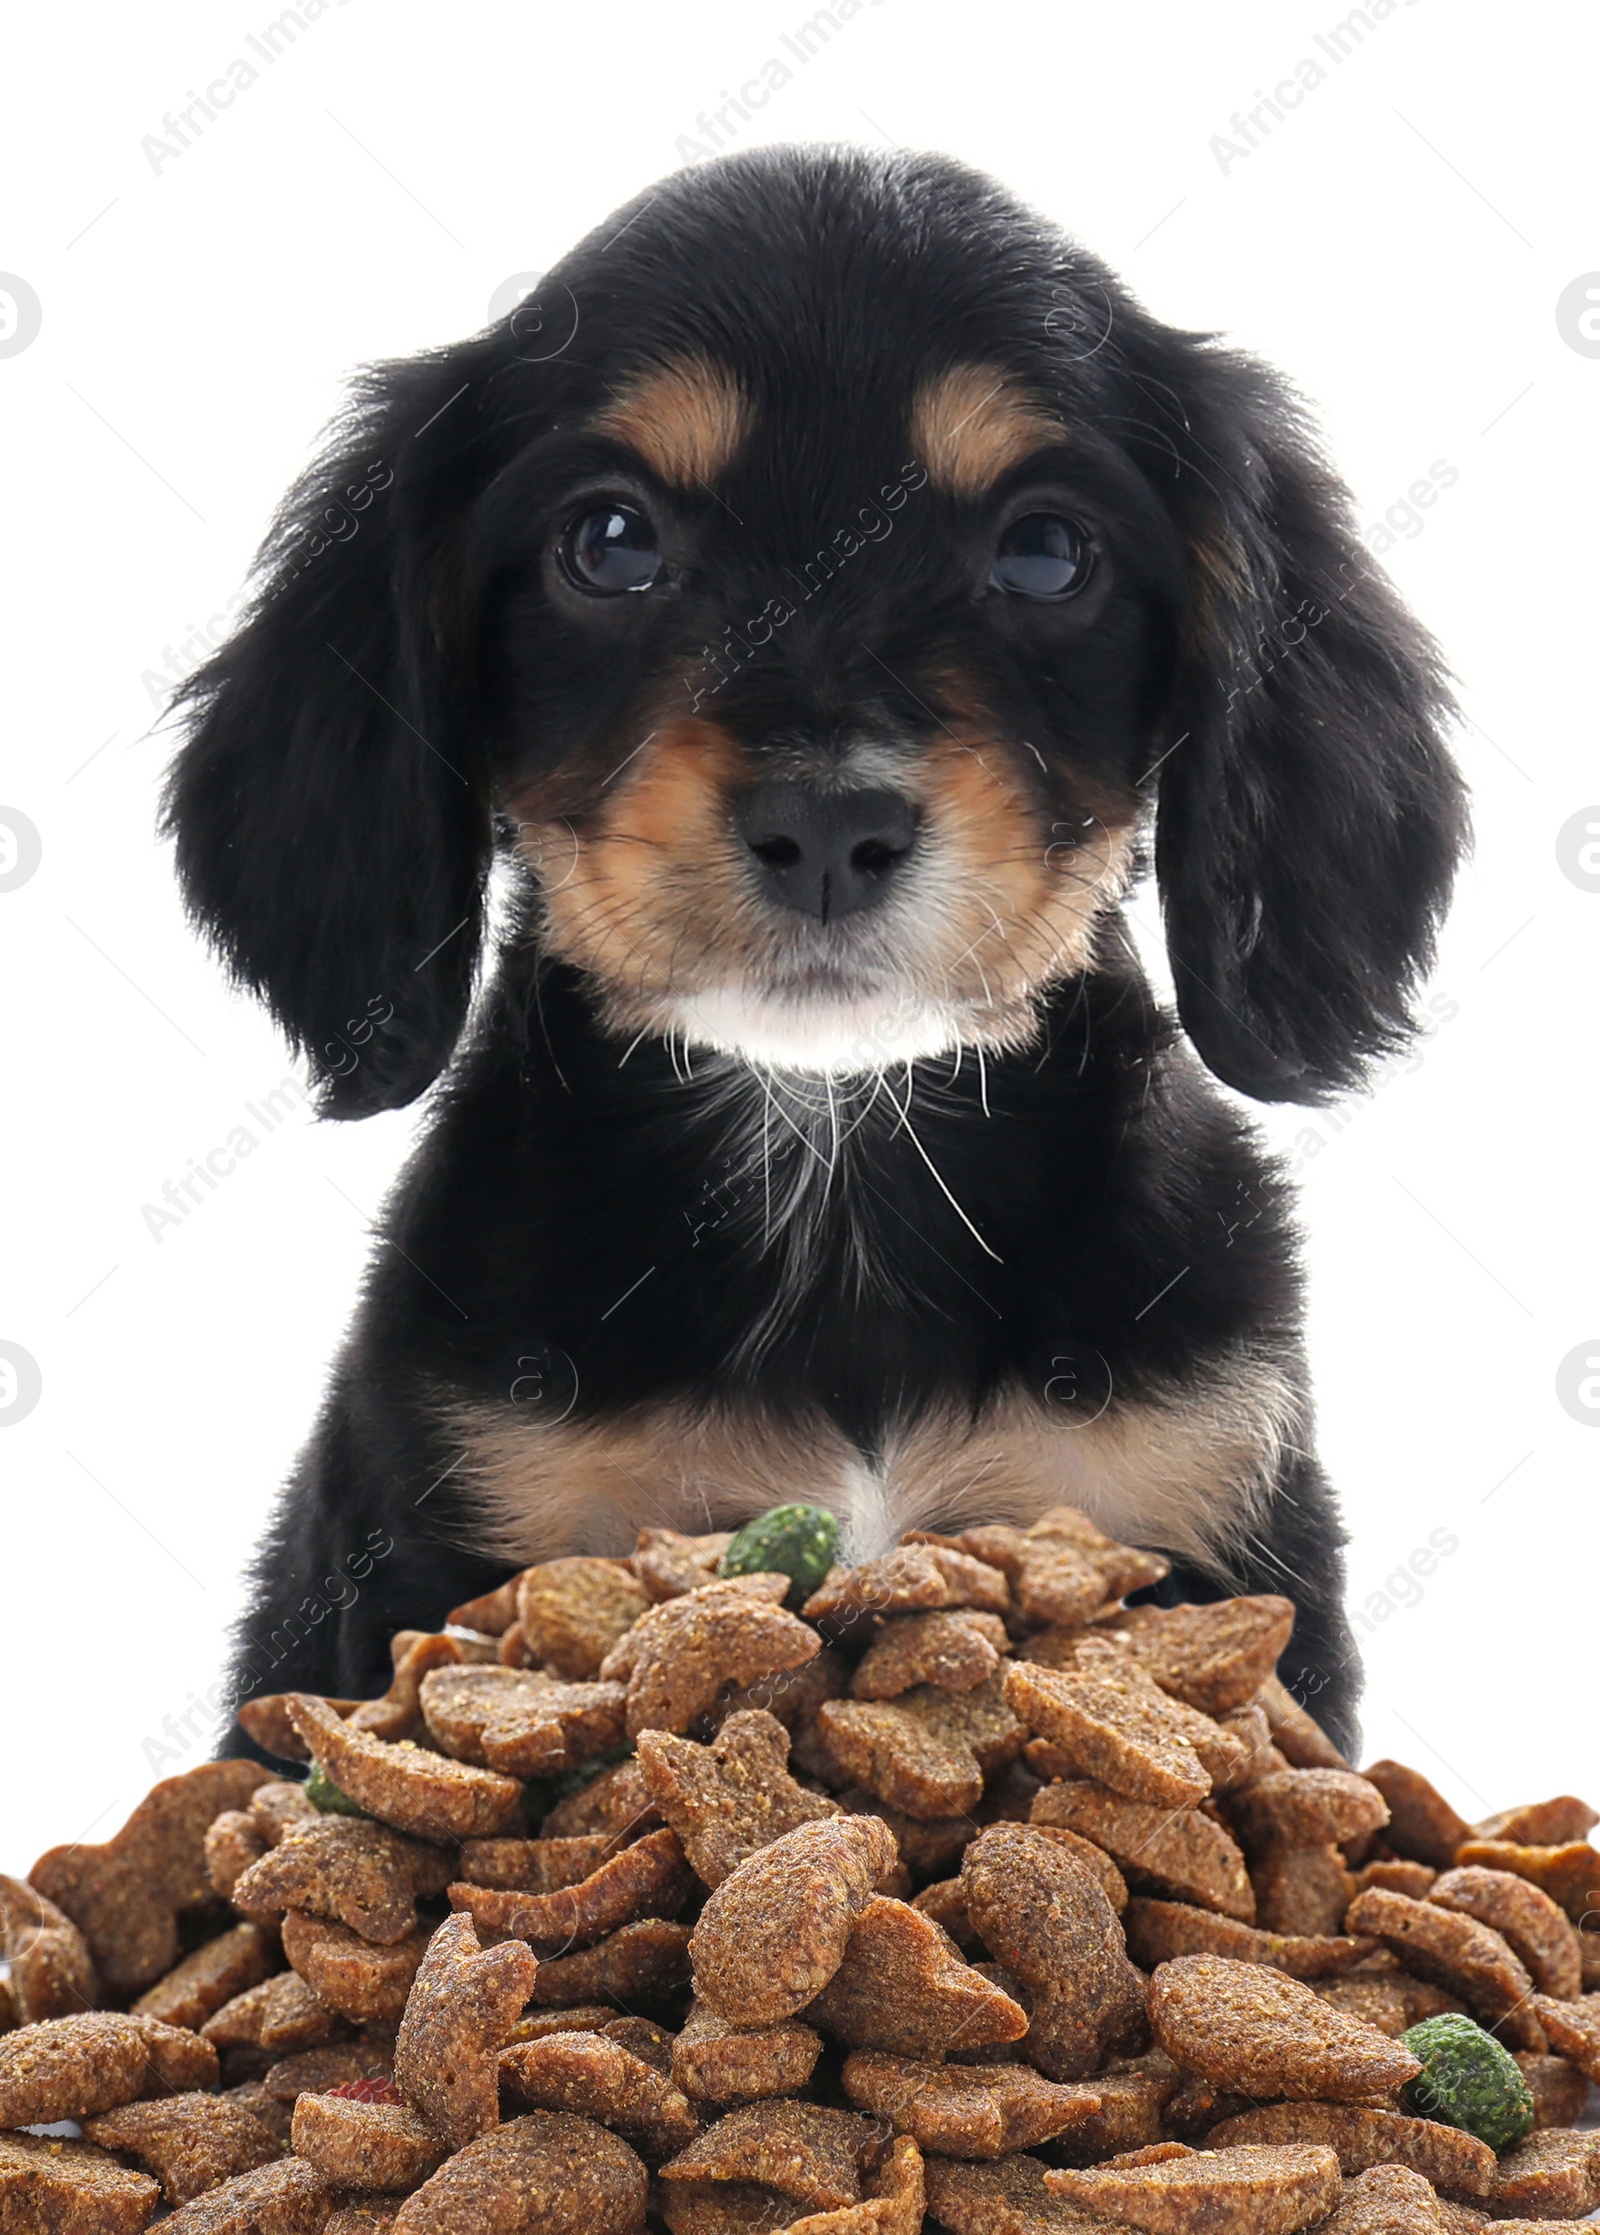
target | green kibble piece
x=323, y=1793
x=801, y=1541
x=1468, y=2079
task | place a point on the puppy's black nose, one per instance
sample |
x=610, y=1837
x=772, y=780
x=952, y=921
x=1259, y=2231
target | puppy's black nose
x=825, y=852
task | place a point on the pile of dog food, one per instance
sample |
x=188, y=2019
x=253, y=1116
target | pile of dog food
x=724, y=1888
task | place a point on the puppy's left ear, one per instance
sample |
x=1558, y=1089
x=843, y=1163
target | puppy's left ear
x=330, y=806
x=1309, y=816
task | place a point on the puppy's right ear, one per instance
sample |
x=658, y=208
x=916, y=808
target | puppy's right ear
x=330, y=808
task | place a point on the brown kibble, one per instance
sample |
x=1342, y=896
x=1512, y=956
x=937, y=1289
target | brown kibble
x=895, y=2200
x=282, y=2014
x=464, y=2003
x=361, y=1874
x=191, y=2143
x=518, y=1722
x=641, y=1963
x=1007, y=2197
x=1392, y=2001
x=535, y=1866
x=1255, y=2189
x=233, y=1842
x=604, y=2080
x=1530, y=1923
x=365, y=2145
x=902, y=1988
x=615, y=1801
x=70, y=2068
x=546, y=2173
x=1422, y=1824
x=954, y=1648
x=425, y=1794
x=363, y=1980
x=793, y=1696
x=1306, y=1808
x=315, y=2071
x=278, y=1805
x=1298, y=1736
x=1062, y=1568
x=679, y=1655
x=714, y=2062
x=772, y=1935
x=125, y=1896
x=1184, y=1854
x=1574, y=2030
x=1389, y=2200
x=946, y=1904
x=573, y=1611
x=909, y=1580
x=1542, y=1823
x=196, y=1989
x=267, y=2110
x=1250, y=1727
x=728, y=1798
x=1260, y=2033
x=288, y=2198
x=668, y=1563
x=512, y=1651
x=265, y=1722
x=1051, y=1582
x=928, y=1752
x=966, y=2110
x=1559, y=2089
x=1114, y=1725
x=800, y=2149
x=364, y=2212
x=1302, y=1890
x=1215, y=1657
x=52, y=1972
x=492, y=1614
x=928, y=1845
x=1555, y=2174
x=48, y=2184
x=1569, y=1874
x=1458, y=1954
x=537, y=2025
x=1392, y=1875
x=417, y=1653
x=1159, y=1930
x=1362, y=2135
x=648, y=1879
x=1135, y=2094
x=1046, y=1920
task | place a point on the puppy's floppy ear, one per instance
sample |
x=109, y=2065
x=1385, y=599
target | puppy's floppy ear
x=1309, y=816
x=331, y=820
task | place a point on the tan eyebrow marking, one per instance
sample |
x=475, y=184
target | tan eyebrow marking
x=969, y=425
x=687, y=419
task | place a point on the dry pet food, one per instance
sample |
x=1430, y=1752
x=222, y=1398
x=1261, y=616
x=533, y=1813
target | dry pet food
x=729, y=1889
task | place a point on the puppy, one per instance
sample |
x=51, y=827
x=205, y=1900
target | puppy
x=820, y=602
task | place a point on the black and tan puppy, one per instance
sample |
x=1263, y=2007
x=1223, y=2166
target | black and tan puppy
x=822, y=601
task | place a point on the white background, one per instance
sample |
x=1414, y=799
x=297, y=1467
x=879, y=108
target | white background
x=1398, y=245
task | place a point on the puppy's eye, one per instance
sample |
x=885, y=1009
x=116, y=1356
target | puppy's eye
x=611, y=549
x=1042, y=555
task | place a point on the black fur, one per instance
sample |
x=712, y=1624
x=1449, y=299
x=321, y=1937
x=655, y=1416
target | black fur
x=351, y=749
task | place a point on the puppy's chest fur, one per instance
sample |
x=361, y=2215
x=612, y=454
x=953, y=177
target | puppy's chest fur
x=824, y=1200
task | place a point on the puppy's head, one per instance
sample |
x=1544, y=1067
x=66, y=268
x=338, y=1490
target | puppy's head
x=822, y=589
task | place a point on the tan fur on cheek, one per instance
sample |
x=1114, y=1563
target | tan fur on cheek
x=1025, y=902
x=651, y=880
x=974, y=423
x=687, y=420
